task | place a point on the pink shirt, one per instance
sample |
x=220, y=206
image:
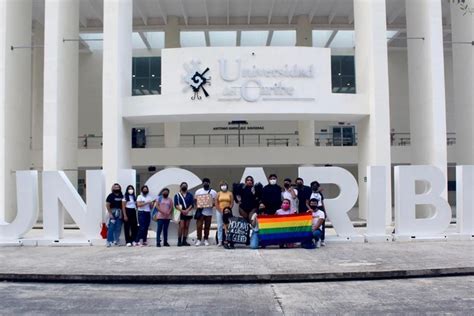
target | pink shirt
x=165, y=208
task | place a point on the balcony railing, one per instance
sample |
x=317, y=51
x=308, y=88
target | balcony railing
x=255, y=140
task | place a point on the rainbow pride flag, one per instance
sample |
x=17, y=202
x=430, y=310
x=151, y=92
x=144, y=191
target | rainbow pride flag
x=281, y=229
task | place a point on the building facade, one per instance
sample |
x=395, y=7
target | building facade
x=216, y=86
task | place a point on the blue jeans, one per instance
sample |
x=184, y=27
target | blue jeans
x=114, y=228
x=163, y=225
x=317, y=234
x=254, y=240
x=144, y=219
x=220, y=226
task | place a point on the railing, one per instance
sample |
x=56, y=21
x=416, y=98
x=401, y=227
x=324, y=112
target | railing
x=254, y=140
x=404, y=139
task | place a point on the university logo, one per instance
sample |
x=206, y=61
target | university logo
x=196, y=78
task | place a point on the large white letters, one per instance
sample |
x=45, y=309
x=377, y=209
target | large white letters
x=376, y=204
x=58, y=189
x=338, y=207
x=27, y=202
x=465, y=200
x=406, y=199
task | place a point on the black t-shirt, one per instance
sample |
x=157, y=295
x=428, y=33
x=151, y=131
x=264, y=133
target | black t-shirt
x=115, y=200
x=249, y=199
x=303, y=194
x=271, y=197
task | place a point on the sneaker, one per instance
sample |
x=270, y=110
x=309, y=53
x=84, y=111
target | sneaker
x=108, y=244
x=198, y=243
x=318, y=244
x=144, y=243
x=134, y=244
x=219, y=244
x=166, y=244
x=158, y=245
x=206, y=243
x=129, y=244
x=323, y=243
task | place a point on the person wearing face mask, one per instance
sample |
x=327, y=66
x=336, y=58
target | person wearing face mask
x=271, y=195
x=291, y=194
x=184, y=202
x=164, y=206
x=224, y=199
x=285, y=208
x=247, y=196
x=129, y=208
x=318, y=221
x=145, y=202
x=303, y=194
x=317, y=194
x=113, y=204
x=206, y=217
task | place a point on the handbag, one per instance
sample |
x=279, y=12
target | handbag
x=198, y=213
x=176, y=215
x=103, y=231
x=154, y=214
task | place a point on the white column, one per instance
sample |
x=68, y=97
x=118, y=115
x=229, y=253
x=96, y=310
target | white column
x=462, y=27
x=15, y=99
x=426, y=85
x=304, y=38
x=172, y=130
x=37, y=90
x=372, y=82
x=60, y=96
x=116, y=86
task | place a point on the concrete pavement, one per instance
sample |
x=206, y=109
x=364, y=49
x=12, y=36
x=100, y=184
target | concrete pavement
x=432, y=296
x=336, y=261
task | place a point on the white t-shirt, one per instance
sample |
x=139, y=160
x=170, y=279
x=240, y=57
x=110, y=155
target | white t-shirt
x=283, y=212
x=147, y=198
x=131, y=203
x=316, y=216
x=317, y=196
x=208, y=210
x=294, y=201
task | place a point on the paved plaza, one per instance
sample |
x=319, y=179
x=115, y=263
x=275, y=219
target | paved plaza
x=213, y=265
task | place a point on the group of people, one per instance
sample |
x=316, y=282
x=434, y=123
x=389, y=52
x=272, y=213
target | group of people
x=253, y=199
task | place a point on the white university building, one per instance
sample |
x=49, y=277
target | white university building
x=217, y=86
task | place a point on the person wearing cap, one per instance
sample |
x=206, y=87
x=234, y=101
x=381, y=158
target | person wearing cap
x=271, y=195
x=290, y=194
x=206, y=216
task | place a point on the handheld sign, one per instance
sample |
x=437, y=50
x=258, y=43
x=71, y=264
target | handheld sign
x=239, y=231
x=204, y=201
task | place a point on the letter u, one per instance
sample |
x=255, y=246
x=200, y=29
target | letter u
x=223, y=70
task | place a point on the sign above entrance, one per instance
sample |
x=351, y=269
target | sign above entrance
x=248, y=74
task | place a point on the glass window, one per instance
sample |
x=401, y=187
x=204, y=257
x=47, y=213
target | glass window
x=146, y=75
x=343, y=74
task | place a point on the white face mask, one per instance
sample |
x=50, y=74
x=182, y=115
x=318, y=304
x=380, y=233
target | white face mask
x=130, y=191
x=273, y=181
x=223, y=187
